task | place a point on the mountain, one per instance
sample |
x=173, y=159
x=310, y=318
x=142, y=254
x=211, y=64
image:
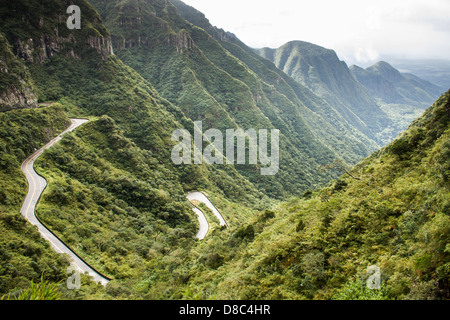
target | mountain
x=390, y=213
x=402, y=96
x=432, y=70
x=215, y=78
x=391, y=86
x=141, y=69
x=79, y=69
x=381, y=97
x=114, y=177
x=320, y=70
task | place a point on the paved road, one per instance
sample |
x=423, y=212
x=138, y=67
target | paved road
x=36, y=185
x=204, y=227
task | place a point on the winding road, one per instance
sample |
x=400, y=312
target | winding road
x=204, y=226
x=36, y=185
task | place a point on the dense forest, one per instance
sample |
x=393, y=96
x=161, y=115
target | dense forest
x=343, y=200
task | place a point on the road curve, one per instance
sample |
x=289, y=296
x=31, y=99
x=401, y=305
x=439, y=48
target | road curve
x=36, y=185
x=204, y=226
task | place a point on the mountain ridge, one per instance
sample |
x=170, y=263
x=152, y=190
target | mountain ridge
x=409, y=88
x=220, y=81
x=115, y=196
x=399, y=97
x=321, y=70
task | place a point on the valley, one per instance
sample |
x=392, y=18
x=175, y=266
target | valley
x=358, y=162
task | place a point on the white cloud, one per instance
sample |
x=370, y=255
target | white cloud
x=357, y=29
x=365, y=55
x=373, y=18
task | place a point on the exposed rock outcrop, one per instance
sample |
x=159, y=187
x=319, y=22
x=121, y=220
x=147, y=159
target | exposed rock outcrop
x=182, y=41
x=14, y=98
x=16, y=89
x=39, y=50
x=103, y=45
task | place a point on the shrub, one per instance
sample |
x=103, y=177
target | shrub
x=356, y=290
x=43, y=290
x=400, y=148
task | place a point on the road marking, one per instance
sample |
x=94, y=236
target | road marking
x=27, y=212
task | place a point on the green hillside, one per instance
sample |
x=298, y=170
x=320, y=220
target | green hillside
x=120, y=168
x=16, y=87
x=320, y=70
x=379, y=100
x=140, y=69
x=402, y=96
x=393, y=213
x=401, y=87
x=213, y=78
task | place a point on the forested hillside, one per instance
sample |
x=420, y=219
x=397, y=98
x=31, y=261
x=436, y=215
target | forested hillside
x=392, y=211
x=138, y=70
x=321, y=70
x=16, y=87
x=391, y=86
x=379, y=101
x=126, y=151
x=215, y=78
x=24, y=254
x=402, y=96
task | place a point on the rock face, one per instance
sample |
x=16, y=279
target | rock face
x=43, y=34
x=136, y=24
x=16, y=89
x=41, y=49
x=103, y=45
x=14, y=98
x=182, y=41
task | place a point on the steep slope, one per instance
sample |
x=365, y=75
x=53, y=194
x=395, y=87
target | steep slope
x=434, y=71
x=16, y=88
x=393, y=212
x=24, y=254
x=115, y=179
x=402, y=96
x=401, y=87
x=377, y=85
x=78, y=68
x=116, y=197
x=325, y=122
x=320, y=70
x=192, y=67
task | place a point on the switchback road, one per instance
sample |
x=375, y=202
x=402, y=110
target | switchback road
x=204, y=226
x=36, y=185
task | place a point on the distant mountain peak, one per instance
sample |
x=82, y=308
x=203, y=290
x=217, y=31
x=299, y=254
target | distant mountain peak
x=307, y=49
x=387, y=83
x=385, y=70
x=383, y=64
x=320, y=70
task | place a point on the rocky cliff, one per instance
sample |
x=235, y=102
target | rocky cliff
x=16, y=88
x=39, y=35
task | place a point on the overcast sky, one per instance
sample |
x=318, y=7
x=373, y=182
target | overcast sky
x=360, y=31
